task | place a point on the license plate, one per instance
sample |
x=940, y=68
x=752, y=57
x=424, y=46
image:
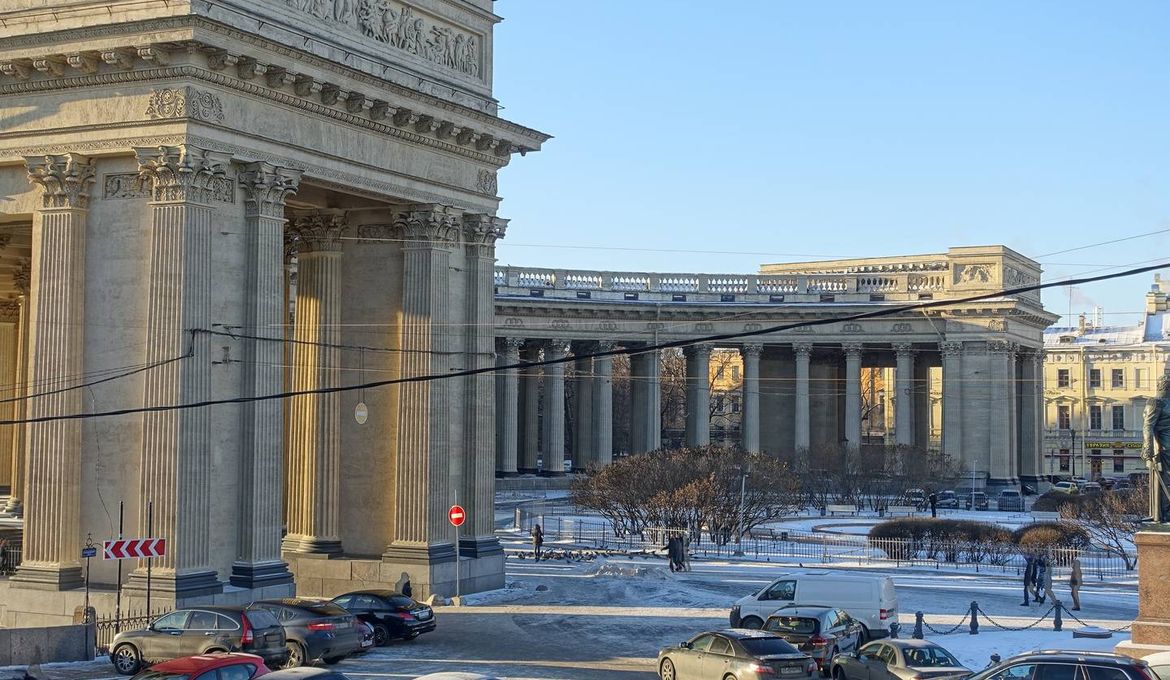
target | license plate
x=792, y=670
x=422, y=615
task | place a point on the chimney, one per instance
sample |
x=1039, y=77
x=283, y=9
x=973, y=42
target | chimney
x=1098, y=317
x=1081, y=323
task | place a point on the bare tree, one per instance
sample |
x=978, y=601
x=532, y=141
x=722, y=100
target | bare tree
x=1111, y=520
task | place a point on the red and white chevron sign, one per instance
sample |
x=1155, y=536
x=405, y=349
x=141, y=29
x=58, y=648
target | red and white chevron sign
x=133, y=548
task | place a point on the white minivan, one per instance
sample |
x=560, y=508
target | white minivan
x=869, y=599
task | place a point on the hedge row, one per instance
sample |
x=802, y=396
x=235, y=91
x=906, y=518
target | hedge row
x=953, y=540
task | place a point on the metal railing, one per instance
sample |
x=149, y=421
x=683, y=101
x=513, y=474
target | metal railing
x=107, y=628
x=10, y=557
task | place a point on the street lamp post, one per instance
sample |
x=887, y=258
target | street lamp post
x=739, y=520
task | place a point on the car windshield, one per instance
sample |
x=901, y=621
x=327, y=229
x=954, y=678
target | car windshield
x=929, y=656
x=767, y=646
x=801, y=625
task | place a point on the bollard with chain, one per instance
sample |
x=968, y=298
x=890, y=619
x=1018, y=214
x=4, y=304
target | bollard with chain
x=1057, y=623
x=894, y=630
x=974, y=618
x=917, y=635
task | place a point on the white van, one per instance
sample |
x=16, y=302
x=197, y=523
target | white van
x=869, y=599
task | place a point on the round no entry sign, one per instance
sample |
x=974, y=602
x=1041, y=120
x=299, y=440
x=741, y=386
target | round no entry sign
x=456, y=515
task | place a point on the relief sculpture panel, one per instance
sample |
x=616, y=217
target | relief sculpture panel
x=399, y=26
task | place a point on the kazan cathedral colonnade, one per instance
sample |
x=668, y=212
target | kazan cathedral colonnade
x=801, y=388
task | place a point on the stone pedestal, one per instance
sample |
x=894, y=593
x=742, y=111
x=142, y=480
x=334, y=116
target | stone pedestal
x=1151, y=629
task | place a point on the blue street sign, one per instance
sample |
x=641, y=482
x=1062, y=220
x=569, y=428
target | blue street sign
x=88, y=552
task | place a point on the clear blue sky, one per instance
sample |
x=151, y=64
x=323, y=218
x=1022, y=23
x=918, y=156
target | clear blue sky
x=790, y=131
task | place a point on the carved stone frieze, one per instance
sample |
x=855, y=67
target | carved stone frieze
x=902, y=327
x=428, y=224
x=513, y=322
x=185, y=102
x=559, y=324
x=704, y=327
x=124, y=186
x=266, y=187
x=999, y=325
x=951, y=348
x=851, y=328
x=318, y=230
x=607, y=326
x=977, y=273
x=1014, y=278
x=185, y=173
x=65, y=179
x=487, y=183
x=22, y=277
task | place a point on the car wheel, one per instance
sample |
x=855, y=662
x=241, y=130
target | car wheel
x=332, y=660
x=296, y=655
x=863, y=636
x=751, y=622
x=839, y=674
x=381, y=636
x=666, y=670
x=127, y=659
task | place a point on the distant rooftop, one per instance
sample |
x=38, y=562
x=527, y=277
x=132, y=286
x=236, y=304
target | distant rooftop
x=1155, y=327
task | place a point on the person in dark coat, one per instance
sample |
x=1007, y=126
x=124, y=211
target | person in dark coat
x=1029, y=579
x=674, y=552
x=933, y=498
x=537, y=540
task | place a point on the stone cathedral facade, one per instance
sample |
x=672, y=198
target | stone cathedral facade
x=216, y=200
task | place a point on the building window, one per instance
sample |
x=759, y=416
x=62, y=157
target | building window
x=735, y=404
x=1064, y=459
x=1119, y=417
x=1095, y=377
x=1063, y=418
x=719, y=372
x=1117, y=378
x=719, y=404
x=1095, y=417
x=735, y=373
x=1118, y=460
x=1139, y=378
x=1095, y=463
x=1062, y=379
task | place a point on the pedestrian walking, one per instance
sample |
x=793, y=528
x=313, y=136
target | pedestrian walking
x=933, y=498
x=1045, y=581
x=686, y=551
x=1038, y=581
x=537, y=540
x=1074, y=583
x=674, y=552
x=1029, y=579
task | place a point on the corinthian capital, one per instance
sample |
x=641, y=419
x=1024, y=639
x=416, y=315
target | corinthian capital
x=65, y=179
x=318, y=230
x=483, y=230
x=266, y=187
x=951, y=348
x=427, y=224
x=180, y=173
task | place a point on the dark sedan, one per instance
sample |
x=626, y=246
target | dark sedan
x=820, y=632
x=315, y=630
x=392, y=614
x=734, y=653
x=898, y=660
x=201, y=630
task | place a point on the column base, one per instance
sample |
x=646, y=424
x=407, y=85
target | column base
x=168, y=585
x=418, y=553
x=527, y=471
x=260, y=574
x=48, y=577
x=480, y=546
x=505, y=475
x=311, y=546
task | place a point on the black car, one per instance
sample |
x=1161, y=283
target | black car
x=821, y=632
x=392, y=614
x=200, y=630
x=1072, y=665
x=315, y=630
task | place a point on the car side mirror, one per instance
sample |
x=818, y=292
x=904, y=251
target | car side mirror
x=684, y=645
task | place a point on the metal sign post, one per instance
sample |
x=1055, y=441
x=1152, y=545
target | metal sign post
x=149, y=560
x=88, y=551
x=457, y=517
x=118, y=605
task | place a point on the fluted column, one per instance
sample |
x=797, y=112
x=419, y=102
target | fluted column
x=653, y=430
x=176, y=470
x=639, y=380
x=509, y=409
x=952, y=404
x=602, y=429
x=258, y=562
x=9, y=347
x=698, y=359
x=584, y=452
x=853, y=395
x=421, y=531
x=803, y=351
x=904, y=394
x=480, y=233
x=750, y=419
x=315, y=429
x=531, y=394
x=53, y=483
x=1003, y=411
x=15, y=506
x=554, y=409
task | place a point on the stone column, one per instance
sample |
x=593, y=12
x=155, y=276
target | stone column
x=803, y=351
x=639, y=392
x=584, y=450
x=258, y=562
x=532, y=428
x=653, y=426
x=421, y=530
x=853, y=396
x=602, y=429
x=176, y=471
x=1032, y=424
x=52, y=531
x=554, y=409
x=904, y=394
x=15, y=506
x=698, y=381
x=509, y=409
x=1003, y=412
x=952, y=405
x=315, y=428
x=750, y=418
x=9, y=357
x=480, y=233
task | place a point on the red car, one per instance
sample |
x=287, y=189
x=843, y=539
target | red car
x=214, y=666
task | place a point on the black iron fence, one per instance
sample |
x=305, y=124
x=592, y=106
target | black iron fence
x=10, y=556
x=107, y=628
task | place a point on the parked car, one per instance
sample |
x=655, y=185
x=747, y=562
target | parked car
x=216, y=666
x=915, y=497
x=1010, y=500
x=899, y=660
x=367, y=637
x=734, y=653
x=978, y=500
x=455, y=675
x=186, y=632
x=1066, y=487
x=820, y=632
x=315, y=630
x=1160, y=664
x=1091, y=487
x=392, y=614
x=947, y=499
x=869, y=599
x=306, y=673
x=1067, y=665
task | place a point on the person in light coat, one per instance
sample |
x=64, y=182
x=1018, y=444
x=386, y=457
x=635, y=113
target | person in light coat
x=1075, y=579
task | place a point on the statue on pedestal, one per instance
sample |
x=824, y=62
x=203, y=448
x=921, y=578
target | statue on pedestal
x=1156, y=451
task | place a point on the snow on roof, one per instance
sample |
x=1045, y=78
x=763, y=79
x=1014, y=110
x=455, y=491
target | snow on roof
x=1155, y=328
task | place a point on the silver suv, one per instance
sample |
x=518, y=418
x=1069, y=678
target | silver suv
x=1010, y=500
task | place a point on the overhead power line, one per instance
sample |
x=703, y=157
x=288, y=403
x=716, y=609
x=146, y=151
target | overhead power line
x=877, y=313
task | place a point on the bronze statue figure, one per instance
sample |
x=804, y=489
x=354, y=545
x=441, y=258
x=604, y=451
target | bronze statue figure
x=1156, y=451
